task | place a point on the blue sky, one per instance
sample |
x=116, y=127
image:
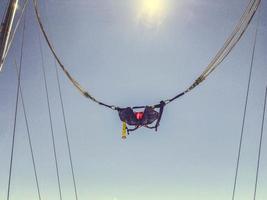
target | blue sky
x=123, y=58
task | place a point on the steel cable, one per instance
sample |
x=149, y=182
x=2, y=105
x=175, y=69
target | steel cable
x=16, y=112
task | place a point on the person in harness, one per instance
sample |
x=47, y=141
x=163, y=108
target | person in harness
x=140, y=119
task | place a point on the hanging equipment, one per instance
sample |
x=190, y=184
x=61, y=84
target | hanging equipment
x=141, y=119
x=149, y=115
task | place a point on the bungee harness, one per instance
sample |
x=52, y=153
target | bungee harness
x=140, y=119
x=149, y=115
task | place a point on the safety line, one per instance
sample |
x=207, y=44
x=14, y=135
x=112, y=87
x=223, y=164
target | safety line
x=16, y=112
x=50, y=118
x=29, y=138
x=66, y=131
x=65, y=127
x=245, y=110
x=260, y=145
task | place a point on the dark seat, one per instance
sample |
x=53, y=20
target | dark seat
x=129, y=116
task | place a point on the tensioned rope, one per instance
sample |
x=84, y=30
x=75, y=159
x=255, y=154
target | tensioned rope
x=66, y=133
x=245, y=108
x=218, y=58
x=16, y=112
x=50, y=118
x=260, y=145
x=29, y=138
x=66, y=129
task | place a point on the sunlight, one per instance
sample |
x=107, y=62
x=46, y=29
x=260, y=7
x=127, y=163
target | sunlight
x=153, y=7
x=152, y=12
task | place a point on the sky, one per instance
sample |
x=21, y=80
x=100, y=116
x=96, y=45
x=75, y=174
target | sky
x=128, y=53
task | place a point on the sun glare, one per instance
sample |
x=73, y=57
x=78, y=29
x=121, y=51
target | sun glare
x=152, y=7
x=152, y=12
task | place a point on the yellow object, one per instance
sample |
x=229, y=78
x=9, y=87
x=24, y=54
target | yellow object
x=124, y=131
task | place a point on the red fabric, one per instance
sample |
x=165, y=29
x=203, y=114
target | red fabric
x=139, y=115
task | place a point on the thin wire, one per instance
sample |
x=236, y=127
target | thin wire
x=50, y=119
x=66, y=132
x=260, y=144
x=29, y=138
x=16, y=112
x=245, y=110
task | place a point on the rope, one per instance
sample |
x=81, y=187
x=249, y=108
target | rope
x=260, y=144
x=229, y=44
x=29, y=138
x=50, y=119
x=73, y=81
x=234, y=38
x=16, y=112
x=218, y=58
x=245, y=110
x=66, y=132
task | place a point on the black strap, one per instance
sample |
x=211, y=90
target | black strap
x=176, y=97
x=132, y=129
x=162, y=104
x=161, y=108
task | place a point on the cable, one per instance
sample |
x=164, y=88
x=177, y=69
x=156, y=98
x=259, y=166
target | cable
x=16, y=112
x=245, y=110
x=260, y=144
x=218, y=58
x=50, y=119
x=229, y=44
x=66, y=132
x=29, y=138
x=73, y=81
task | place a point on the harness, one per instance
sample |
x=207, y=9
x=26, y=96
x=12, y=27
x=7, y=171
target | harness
x=140, y=119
